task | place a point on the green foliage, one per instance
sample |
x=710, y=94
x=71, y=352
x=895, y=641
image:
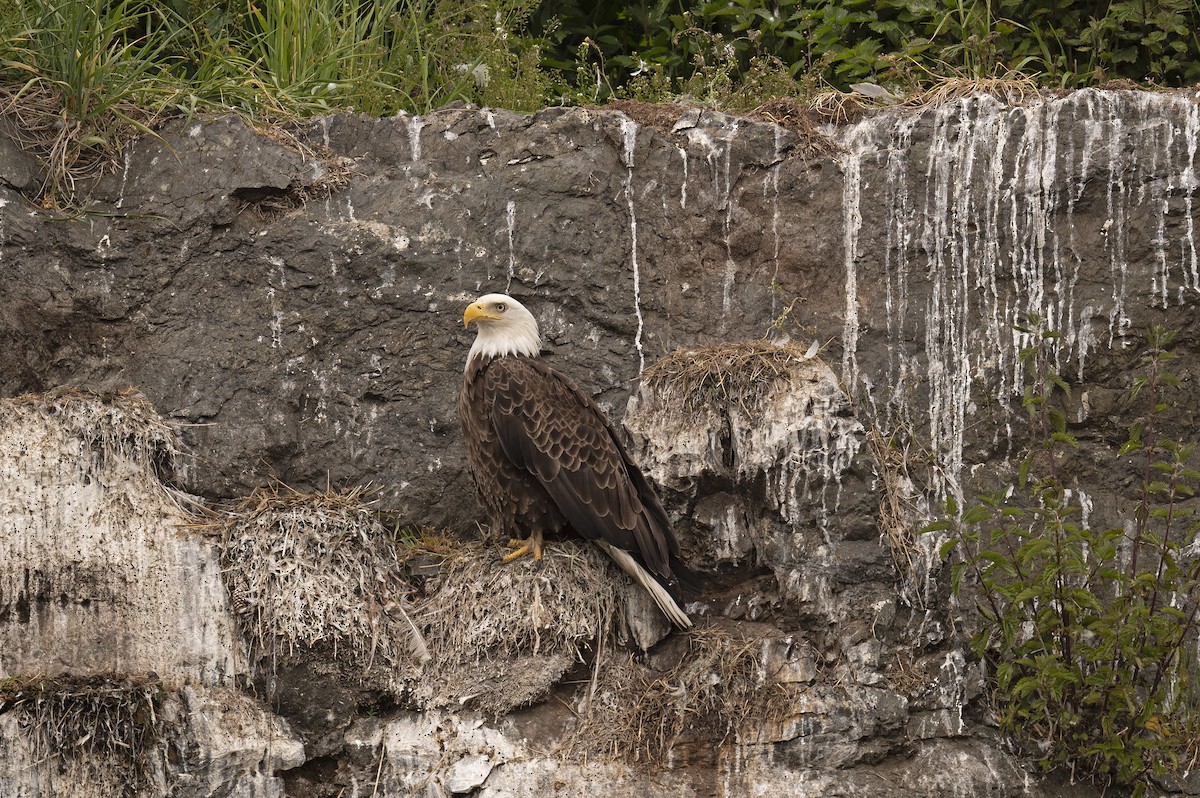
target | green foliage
x=84, y=77
x=901, y=43
x=1133, y=39
x=97, y=58
x=1091, y=632
x=378, y=56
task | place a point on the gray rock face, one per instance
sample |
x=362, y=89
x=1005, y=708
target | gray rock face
x=296, y=312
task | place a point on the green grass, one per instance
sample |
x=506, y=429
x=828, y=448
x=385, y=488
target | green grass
x=81, y=82
x=82, y=77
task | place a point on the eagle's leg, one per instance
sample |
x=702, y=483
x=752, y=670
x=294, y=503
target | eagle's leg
x=531, y=546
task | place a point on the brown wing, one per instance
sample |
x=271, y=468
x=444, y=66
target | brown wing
x=551, y=429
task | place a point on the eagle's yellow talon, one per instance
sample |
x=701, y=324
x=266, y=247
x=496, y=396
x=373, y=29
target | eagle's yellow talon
x=532, y=545
x=516, y=555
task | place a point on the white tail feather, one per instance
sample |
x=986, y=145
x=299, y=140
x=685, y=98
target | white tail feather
x=643, y=577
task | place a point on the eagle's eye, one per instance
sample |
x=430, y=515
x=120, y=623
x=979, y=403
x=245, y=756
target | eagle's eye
x=500, y=307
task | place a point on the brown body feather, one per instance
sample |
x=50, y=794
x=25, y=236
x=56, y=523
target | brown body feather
x=545, y=458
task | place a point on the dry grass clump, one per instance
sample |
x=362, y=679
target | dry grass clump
x=740, y=373
x=719, y=688
x=333, y=173
x=907, y=674
x=112, y=424
x=109, y=725
x=71, y=149
x=269, y=204
x=1013, y=89
x=321, y=571
x=839, y=107
x=898, y=510
x=317, y=569
x=790, y=114
x=502, y=635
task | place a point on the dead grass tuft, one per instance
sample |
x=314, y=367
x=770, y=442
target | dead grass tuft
x=898, y=510
x=790, y=114
x=840, y=107
x=70, y=150
x=908, y=676
x=1013, y=89
x=318, y=569
x=740, y=373
x=110, y=424
x=333, y=173
x=719, y=688
x=104, y=724
x=658, y=116
x=502, y=635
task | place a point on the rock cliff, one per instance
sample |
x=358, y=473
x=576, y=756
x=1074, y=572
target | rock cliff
x=809, y=335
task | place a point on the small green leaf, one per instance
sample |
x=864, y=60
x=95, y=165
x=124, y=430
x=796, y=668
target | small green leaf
x=934, y=526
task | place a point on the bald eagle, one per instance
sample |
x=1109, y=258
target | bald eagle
x=546, y=460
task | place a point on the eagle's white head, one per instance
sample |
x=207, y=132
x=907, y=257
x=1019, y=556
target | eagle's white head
x=504, y=327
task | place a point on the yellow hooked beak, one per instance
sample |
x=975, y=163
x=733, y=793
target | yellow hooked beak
x=477, y=312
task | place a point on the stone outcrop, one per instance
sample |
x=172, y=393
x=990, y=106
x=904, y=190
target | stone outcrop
x=291, y=307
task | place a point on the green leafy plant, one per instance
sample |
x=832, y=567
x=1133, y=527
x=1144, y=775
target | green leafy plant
x=838, y=43
x=1157, y=40
x=1091, y=632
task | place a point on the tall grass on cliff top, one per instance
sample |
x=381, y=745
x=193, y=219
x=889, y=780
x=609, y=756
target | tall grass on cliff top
x=81, y=77
x=81, y=82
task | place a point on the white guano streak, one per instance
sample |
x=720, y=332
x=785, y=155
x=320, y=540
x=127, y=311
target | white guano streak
x=985, y=220
x=510, y=220
x=857, y=146
x=629, y=130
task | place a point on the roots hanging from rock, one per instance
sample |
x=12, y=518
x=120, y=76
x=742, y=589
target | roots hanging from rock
x=718, y=689
x=105, y=728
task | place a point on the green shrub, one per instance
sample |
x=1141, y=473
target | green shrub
x=901, y=43
x=1090, y=632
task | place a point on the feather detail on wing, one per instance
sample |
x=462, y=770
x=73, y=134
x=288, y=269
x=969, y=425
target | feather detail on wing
x=548, y=427
x=643, y=577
